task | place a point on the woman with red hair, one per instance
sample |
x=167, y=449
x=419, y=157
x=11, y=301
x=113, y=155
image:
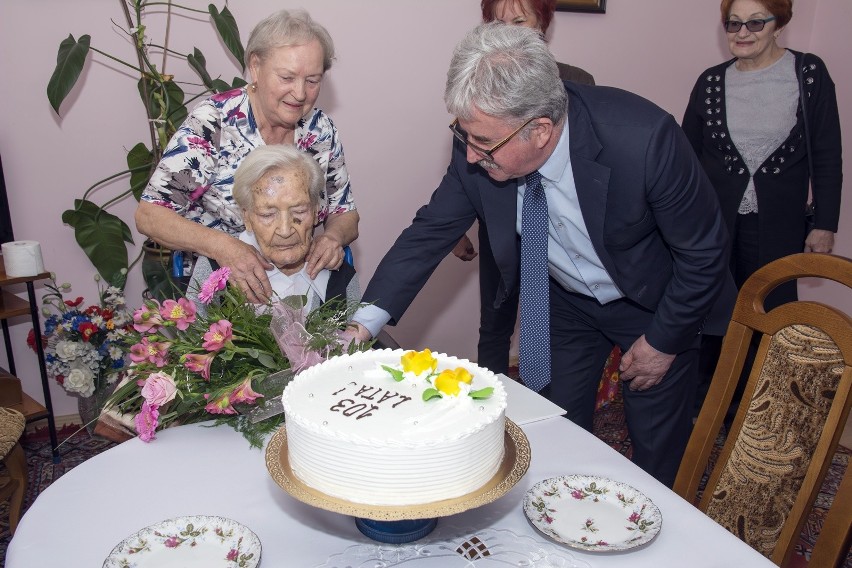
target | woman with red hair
x=532, y=14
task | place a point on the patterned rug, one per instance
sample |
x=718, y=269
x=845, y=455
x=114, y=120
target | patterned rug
x=609, y=425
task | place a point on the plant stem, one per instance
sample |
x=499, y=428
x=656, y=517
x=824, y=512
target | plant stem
x=166, y=37
x=116, y=59
x=152, y=132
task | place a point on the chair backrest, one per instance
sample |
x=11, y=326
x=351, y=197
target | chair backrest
x=795, y=405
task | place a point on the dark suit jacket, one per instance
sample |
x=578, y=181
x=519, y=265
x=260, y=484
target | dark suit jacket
x=650, y=211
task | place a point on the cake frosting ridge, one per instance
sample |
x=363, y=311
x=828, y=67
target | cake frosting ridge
x=395, y=427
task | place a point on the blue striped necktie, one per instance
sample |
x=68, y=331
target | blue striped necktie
x=534, y=353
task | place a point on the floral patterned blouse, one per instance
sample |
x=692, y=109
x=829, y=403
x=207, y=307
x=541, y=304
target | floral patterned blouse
x=195, y=176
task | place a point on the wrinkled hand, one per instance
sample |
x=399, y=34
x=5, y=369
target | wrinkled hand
x=819, y=241
x=359, y=333
x=643, y=365
x=347, y=336
x=248, y=270
x=464, y=249
x=325, y=252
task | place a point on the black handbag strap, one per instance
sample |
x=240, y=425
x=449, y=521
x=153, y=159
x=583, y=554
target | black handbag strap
x=803, y=96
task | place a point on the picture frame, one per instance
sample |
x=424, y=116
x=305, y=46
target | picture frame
x=594, y=6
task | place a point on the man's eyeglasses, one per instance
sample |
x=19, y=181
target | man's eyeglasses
x=733, y=26
x=462, y=136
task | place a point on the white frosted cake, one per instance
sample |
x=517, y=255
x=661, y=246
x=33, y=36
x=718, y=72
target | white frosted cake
x=394, y=427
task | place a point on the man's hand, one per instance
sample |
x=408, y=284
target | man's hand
x=357, y=331
x=464, y=249
x=643, y=365
x=325, y=252
x=819, y=241
x=248, y=269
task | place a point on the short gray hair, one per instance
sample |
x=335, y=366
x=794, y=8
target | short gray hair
x=506, y=72
x=286, y=28
x=265, y=159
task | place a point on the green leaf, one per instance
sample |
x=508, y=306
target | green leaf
x=482, y=393
x=238, y=82
x=226, y=25
x=429, y=394
x=101, y=235
x=267, y=361
x=140, y=160
x=295, y=301
x=252, y=352
x=197, y=61
x=69, y=64
x=220, y=86
x=395, y=373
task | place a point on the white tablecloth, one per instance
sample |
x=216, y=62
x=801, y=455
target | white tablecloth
x=196, y=470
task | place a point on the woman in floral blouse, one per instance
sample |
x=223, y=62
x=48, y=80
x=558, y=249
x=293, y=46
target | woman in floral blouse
x=188, y=204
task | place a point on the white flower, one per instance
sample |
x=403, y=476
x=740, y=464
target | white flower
x=115, y=353
x=69, y=350
x=81, y=381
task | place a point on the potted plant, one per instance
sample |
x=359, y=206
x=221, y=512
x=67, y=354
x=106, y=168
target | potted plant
x=102, y=235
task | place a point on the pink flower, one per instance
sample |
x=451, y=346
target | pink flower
x=218, y=335
x=152, y=351
x=146, y=422
x=199, y=363
x=215, y=282
x=244, y=393
x=159, y=389
x=172, y=542
x=220, y=406
x=182, y=312
x=146, y=320
x=233, y=554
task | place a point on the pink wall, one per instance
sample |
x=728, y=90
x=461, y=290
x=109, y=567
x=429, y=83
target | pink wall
x=385, y=94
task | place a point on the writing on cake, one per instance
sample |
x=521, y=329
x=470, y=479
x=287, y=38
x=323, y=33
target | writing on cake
x=376, y=395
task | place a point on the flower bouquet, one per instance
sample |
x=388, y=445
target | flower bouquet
x=228, y=361
x=84, y=347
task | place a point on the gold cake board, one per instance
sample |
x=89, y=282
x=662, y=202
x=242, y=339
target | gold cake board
x=516, y=461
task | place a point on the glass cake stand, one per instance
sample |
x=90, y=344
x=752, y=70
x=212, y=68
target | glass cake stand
x=400, y=524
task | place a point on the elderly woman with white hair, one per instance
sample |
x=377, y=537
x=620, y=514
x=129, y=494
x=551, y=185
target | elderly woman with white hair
x=189, y=205
x=279, y=192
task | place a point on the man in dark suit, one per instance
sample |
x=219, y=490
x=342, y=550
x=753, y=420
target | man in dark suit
x=635, y=244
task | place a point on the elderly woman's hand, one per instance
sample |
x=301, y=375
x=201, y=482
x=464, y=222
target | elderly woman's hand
x=326, y=252
x=819, y=241
x=248, y=269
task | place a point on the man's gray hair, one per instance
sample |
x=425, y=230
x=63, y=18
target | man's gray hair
x=286, y=28
x=507, y=72
x=265, y=159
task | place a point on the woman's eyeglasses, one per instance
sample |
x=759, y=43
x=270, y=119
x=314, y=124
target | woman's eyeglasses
x=462, y=136
x=733, y=26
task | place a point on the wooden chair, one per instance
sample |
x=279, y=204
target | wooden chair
x=13, y=485
x=793, y=411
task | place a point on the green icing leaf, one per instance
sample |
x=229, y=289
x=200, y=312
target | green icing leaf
x=482, y=393
x=429, y=394
x=395, y=373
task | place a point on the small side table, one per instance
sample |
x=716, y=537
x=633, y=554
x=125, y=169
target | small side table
x=11, y=306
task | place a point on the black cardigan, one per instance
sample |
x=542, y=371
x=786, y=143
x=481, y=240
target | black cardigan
x=781, y=183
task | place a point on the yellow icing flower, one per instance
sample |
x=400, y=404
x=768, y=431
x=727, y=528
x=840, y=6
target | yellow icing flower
x=418, y=361
x=463, y=375
x=448, y=383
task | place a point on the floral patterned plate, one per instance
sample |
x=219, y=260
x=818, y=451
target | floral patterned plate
x=186, y=542
x=592, y=513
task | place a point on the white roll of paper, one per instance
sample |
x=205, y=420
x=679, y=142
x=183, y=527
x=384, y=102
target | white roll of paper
x=22, y=258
